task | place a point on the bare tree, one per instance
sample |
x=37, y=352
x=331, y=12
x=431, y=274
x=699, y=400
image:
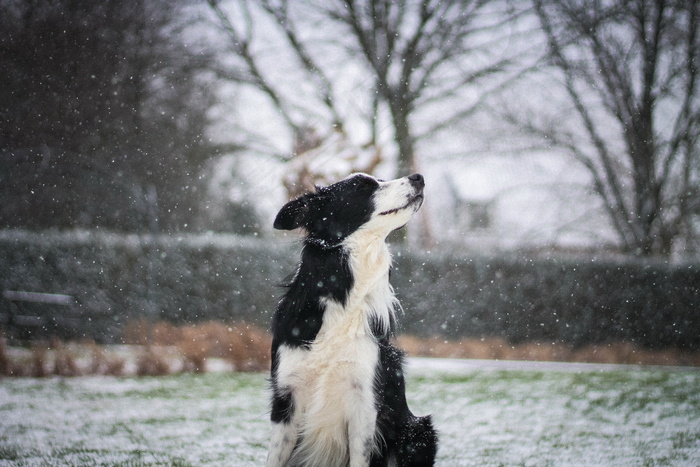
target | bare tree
x=420, y=53
x=300, y=113
x=415, y=55
x=629, y=70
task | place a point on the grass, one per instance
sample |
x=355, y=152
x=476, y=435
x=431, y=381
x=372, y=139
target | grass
x=486, y=417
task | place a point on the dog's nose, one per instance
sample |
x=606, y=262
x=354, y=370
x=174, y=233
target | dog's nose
x=416, y=180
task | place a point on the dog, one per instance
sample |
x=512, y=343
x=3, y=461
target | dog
x=338, y=391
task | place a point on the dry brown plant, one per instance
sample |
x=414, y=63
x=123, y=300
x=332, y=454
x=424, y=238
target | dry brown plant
x=246, y=346
x=101, y=362
x=64, y=363
x=152, y=362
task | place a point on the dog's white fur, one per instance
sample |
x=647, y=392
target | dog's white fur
x=332, y=381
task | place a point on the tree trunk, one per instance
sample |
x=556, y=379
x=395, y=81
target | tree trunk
x=405, y=164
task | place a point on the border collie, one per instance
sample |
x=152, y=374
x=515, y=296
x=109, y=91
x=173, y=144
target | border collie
x=338, y=394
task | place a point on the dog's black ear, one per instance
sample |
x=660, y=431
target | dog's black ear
x=293, y=214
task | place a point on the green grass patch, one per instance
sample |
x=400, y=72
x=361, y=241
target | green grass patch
x=485, y=418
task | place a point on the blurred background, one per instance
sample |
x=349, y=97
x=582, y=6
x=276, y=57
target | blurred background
x=563, y=124
x=547, y=131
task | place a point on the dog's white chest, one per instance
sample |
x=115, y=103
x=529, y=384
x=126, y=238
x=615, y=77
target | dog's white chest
x=333, y=380
x=341, y=361
x=332, y=386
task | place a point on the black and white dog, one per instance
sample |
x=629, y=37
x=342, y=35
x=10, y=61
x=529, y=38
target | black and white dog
x=338, y=386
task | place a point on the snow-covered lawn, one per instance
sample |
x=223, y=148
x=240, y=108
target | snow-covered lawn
x=487, y=413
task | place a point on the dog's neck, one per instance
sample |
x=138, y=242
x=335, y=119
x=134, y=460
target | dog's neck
x=370, y=262
x=370, y=301
x=322, y=244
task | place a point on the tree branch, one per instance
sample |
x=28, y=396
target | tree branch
x=241, y=46
x=616, y=199
x=279, y=11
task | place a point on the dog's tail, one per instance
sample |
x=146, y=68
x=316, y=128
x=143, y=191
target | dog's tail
x=417, y=443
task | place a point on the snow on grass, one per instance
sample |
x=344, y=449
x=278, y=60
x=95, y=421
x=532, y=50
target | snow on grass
x=487, y=414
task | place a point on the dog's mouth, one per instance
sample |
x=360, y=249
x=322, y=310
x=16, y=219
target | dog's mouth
x=416, y=199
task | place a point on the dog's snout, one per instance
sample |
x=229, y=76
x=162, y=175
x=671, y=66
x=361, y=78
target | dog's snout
x=416, y=180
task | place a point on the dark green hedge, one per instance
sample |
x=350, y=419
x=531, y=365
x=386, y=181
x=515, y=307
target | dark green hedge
x=576, y=302
x=115, y=278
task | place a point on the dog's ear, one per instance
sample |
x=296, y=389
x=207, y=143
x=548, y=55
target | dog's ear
x=293, y=214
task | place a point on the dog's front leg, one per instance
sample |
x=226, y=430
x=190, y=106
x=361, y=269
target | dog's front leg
x=284, y=436
x=284, y=430
x=361, y=432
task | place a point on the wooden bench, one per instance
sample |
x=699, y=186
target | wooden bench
x=37, y=315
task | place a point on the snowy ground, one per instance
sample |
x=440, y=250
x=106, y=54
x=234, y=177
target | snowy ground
x=488, y=413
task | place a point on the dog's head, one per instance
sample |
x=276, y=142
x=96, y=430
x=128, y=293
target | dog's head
x=334, y=212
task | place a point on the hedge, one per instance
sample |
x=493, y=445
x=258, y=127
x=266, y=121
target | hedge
x=115, y=278
x=576, y=302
